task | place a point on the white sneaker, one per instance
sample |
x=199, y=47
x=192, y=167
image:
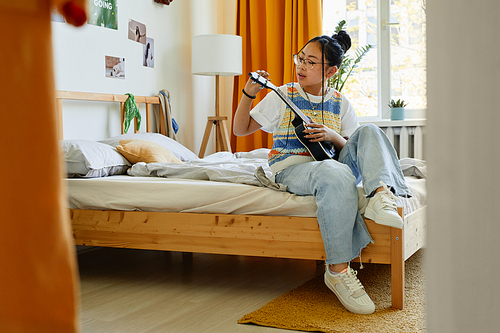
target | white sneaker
x=349, y=291
x=383, y=210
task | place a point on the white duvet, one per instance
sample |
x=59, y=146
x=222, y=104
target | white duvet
x=239, y=168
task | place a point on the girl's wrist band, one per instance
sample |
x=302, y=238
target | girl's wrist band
x=247, y=95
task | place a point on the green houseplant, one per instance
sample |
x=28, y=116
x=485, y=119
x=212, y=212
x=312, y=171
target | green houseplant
x=397, y=109
x=349, y=63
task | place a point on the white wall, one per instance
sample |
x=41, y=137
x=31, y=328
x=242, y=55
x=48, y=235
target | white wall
x=463, y=149
x=79, y=66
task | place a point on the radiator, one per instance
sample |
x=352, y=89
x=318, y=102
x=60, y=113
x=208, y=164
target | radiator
x=408, y=141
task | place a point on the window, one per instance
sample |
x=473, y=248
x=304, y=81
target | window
x=395, y=68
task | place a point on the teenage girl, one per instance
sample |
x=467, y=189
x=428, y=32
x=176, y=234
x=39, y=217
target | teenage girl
x=364, y=153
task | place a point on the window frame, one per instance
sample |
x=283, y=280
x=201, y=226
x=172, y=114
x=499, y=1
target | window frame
x=384, y=64
x=384, y=25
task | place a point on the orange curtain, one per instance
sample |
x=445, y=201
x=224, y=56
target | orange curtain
x=272, y=32
x=38, y=274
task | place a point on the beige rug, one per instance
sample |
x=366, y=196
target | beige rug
x=313, y=307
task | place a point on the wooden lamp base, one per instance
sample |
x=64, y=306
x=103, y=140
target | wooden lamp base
x=222, y=142
x=221, y=135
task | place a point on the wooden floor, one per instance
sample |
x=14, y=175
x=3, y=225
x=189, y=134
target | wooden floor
x=137, y=291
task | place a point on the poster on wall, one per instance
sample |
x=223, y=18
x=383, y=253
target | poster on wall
x=103, y=13
x=137, y=31
x=148, y=53
x=115, y=67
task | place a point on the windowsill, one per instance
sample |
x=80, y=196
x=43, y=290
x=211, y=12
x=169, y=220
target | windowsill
x=394, y=123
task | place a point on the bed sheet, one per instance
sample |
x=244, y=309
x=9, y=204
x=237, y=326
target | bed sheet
x=181, y=195
x=130, y=193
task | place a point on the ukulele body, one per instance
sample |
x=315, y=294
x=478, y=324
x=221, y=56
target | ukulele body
x=319, y=150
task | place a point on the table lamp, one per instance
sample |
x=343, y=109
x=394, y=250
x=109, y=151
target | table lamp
x=216, y=55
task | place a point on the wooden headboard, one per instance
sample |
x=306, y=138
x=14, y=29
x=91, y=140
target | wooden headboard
x=97, y=97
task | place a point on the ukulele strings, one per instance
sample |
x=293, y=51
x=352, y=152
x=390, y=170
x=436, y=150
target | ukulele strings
x=287, y=107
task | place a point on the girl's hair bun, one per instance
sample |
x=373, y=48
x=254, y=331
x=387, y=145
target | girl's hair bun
x=343, y=38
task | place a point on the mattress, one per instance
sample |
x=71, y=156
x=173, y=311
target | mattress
x=129, y=193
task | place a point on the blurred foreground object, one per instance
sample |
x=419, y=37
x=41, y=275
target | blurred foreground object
x=39, y=288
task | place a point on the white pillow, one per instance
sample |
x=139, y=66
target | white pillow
x=92, y=159
x=175, y=147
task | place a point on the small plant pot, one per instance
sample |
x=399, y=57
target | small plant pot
x=397, y=113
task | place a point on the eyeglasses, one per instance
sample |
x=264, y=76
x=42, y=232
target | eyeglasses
x=308, y=64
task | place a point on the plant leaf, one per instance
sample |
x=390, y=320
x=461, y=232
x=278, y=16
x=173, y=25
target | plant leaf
x=361, y=52
x=340, y=26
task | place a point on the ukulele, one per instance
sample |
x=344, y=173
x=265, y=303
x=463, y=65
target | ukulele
x=319, y=150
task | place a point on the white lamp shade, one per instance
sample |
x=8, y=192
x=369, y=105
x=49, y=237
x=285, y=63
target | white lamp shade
x=217, y=55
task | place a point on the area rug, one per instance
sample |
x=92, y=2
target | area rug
x=313, y=307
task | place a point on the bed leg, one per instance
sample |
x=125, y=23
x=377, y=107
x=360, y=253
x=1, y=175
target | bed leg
x=397, y=268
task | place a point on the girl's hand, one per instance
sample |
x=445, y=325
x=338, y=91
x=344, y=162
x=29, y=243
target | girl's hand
x=319, y=132
x=251, y=87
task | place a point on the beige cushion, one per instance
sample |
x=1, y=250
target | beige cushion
x=175, y=147
x=145, y=151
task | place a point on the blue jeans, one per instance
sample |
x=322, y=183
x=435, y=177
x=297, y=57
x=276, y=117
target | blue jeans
x=369, y=156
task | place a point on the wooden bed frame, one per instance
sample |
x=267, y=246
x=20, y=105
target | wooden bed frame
x=250, y=235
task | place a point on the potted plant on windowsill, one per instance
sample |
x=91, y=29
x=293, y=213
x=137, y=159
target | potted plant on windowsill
x=397, y=109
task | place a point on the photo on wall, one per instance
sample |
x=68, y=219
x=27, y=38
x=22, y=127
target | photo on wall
x=115, y=67
x=148, y=53
x=103, y=13
x=137, y=31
